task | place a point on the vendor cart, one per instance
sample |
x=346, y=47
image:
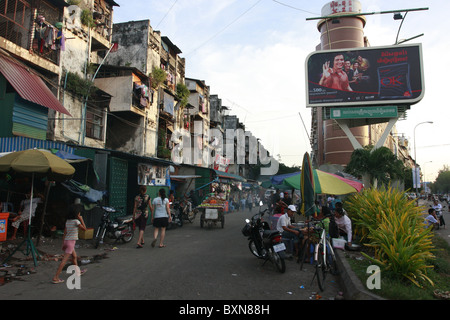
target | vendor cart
x=212, y=212
x=211, y=216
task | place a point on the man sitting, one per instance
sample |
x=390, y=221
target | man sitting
x=288, y=231
x=24, y=214
x=431, y=219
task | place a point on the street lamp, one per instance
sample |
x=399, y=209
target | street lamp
x=415, y=157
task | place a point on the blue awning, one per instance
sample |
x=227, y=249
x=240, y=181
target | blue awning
x=279, y=179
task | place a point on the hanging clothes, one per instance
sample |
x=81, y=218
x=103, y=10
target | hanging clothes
x=60, y=41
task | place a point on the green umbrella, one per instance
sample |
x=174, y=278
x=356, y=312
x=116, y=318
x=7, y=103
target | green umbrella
x=307, y=186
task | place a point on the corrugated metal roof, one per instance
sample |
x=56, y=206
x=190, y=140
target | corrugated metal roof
x=29, y=85
x=10, y=144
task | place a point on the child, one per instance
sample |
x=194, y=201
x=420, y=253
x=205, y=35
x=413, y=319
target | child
x=73, y=223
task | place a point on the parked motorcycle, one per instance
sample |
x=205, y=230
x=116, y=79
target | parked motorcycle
x=187, y=211
x=120, y=228
x=177, y=217
x=265, y=243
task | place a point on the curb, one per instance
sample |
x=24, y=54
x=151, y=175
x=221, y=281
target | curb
x=352, y=286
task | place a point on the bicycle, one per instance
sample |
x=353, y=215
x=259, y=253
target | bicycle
x=324, y=256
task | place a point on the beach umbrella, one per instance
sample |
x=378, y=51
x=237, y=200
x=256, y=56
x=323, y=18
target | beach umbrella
x=327, y=183
x=35, y=163
x=307, y=186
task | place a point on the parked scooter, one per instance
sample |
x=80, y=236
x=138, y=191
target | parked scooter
x=187, y=209
x=265, y=243
x=177, y=218
x=119, y=229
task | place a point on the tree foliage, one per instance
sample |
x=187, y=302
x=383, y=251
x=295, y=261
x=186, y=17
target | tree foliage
x=442, y=183
x=380, y=164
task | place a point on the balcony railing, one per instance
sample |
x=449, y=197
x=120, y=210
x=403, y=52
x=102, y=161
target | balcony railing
x=17, y=25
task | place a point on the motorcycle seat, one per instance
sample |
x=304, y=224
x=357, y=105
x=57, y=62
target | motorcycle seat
x=124, y=218
x=269, y=233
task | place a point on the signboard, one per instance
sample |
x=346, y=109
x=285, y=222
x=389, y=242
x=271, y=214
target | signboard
x=150, y=175
x=364, y=112
x=341, y=6
x=416, y=177
x=365, y=76
x=221, y=163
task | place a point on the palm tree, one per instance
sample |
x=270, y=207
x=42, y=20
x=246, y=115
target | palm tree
x=377, y=165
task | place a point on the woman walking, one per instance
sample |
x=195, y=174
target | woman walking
x=160, y=217
x=140, y=213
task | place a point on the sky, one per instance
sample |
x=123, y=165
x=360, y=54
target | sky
x=252, y=55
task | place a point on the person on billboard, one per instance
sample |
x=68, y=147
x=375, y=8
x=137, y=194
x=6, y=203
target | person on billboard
x=335, y=77
x=363, y=63
x=348, y=70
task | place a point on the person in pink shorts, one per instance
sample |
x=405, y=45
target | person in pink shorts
x=73, y=223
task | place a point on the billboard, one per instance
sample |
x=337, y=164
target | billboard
x=365, y=76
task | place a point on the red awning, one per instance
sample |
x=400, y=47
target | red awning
x=29, y=85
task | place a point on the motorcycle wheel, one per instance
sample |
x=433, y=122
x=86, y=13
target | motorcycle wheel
x=277, y=260
x=99, y=236
x=191, y=216
x=254, y=249
x=180, y=221
x=128, y=235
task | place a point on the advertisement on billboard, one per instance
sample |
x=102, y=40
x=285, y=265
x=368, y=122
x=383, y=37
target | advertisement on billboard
x=365, y=76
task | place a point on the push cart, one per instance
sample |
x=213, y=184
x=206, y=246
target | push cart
x=211, y=216
x=212, y=212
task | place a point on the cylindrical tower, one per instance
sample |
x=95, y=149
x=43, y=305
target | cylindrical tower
x=341, y=32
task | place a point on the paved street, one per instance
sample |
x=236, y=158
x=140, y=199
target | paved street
x=197, y=264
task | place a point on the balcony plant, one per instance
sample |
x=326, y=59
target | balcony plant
x=158, y=76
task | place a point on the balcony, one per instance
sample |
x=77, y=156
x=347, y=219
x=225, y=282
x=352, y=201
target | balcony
x=127, y=94
x=38, y=43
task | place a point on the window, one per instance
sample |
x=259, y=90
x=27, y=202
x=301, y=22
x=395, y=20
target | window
x=94, y=124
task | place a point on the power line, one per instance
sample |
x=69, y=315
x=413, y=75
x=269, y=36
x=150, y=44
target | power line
x=226, y=27
x=170, y=9
x=286, y=5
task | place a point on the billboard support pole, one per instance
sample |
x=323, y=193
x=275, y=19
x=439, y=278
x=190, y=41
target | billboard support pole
x=385, y=134
x=355, y=143
x=344, y=126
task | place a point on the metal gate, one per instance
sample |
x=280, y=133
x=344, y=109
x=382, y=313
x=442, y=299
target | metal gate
x=118, y=178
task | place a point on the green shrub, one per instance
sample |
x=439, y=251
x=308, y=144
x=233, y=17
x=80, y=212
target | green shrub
x=394, y=228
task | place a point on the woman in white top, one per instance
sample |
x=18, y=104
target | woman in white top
x=344, y=223
x=160, y=216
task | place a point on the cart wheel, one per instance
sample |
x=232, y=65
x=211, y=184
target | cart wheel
x=222, y=221
x=201, y=223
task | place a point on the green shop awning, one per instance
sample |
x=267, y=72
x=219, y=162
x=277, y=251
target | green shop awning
x=229, y=176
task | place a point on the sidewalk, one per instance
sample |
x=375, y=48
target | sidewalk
x=21, y=265
x=444, y=233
